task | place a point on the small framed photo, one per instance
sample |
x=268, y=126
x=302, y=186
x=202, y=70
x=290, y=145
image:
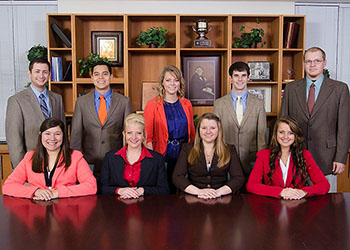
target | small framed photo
x=108, y=44
x=263, y=93
x=149, y=91
x=259, y=71
x=202, y=76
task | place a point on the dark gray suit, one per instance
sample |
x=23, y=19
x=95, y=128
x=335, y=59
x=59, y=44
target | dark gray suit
x=89, y=136
x=23, y=120
x=326, y=131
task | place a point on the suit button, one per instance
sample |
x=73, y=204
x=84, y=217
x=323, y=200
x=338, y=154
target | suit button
x=208, y=186
x=208, y=177
x=102, y=142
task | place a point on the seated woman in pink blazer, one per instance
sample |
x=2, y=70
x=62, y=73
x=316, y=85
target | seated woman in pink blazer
x=282, y=171
x=52, y=170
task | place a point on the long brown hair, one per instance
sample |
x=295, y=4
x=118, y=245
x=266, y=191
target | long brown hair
x=296, y=149
x=220, y=147
x=40, y=156
x=174, y=70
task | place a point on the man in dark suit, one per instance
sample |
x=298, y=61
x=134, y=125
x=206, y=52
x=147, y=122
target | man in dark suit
x=98, y=118
x=321, y=106
x=27, y=109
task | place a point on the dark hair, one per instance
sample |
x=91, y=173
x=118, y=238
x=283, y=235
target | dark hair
x=102, y=63
x=239, y=66
x=40, y=157
x=221, y=148
x=39, y=60
x=315, y=49
x=296, y=149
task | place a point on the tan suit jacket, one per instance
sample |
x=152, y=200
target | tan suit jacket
x=326, y=131
x=23, y=120
x=89, y=136
x=250, y=136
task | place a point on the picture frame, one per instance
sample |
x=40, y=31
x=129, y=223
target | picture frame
x=259, y=70
x=263, y=93
x=202, y=76
x=149, y=91
x=108, y=44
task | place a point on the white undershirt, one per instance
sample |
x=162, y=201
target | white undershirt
x=208, y=166
x=284, y=169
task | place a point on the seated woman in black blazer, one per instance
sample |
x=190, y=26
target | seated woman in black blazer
x=134, y=170
x=207, y=161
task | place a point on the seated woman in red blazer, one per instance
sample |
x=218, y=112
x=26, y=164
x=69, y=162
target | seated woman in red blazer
x=52, y=170
x=282, y=171
x=133, y=170
x=207, y=162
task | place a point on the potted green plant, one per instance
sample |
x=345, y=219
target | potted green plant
x=87, y=63
x=250, y=39
x=153, y=37
x=37, y=51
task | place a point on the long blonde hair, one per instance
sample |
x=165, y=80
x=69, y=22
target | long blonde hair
x=134, y=118
x=220, y=146
x=172, y=69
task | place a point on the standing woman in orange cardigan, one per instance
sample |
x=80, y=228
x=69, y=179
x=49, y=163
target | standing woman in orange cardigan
x=169, y=119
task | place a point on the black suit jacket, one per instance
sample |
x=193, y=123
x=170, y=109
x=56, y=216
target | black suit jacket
x=214, y=178
x=153, y=177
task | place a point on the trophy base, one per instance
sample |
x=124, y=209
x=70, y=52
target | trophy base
x=202, y=43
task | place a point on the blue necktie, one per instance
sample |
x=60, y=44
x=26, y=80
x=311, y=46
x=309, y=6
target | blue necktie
x=43, y=106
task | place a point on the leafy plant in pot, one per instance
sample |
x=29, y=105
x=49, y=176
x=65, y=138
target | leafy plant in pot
x=153, y=37
x=37, y=51
x=87, y=63
x=250, y=39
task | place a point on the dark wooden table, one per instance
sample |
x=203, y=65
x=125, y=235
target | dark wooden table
x=176, y=222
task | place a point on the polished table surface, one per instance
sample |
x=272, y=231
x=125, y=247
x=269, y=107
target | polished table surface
x=176, y=222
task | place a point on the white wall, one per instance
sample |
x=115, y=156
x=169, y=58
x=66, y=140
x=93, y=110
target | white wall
x=176, y=7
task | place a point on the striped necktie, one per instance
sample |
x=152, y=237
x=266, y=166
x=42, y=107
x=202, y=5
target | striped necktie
x=43, y=106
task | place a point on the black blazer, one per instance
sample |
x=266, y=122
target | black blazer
x=153, y=177
x=199, y=176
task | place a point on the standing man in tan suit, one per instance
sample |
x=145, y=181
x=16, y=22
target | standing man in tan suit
x=322, y=108
x=27, y=109
x=98, y=118
x=243, y=117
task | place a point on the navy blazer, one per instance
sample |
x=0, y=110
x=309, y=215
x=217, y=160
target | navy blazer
x=153, y=177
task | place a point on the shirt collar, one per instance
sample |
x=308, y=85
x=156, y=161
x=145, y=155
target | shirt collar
x=107, y=95
x=144, y=153
x=317, y=83
x=37, y=92
x=244, y=95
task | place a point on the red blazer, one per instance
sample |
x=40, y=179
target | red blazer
x=64, y=181
x=156, y=124
x=261, y=168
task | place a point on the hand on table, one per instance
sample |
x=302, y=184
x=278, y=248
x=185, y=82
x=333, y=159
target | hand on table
x=45, y=194
x=130, y=192
x=293, y=194
x=208, y=193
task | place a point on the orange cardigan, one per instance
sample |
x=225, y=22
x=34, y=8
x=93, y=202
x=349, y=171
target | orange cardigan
x=156, y=124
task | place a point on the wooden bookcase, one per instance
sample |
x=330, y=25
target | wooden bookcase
x=145, y=64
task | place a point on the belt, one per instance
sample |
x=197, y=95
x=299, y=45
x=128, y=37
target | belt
x=173, y=142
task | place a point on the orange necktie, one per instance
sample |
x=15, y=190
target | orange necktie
x=102, y=110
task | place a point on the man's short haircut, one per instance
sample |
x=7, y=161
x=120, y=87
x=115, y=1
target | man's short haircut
x=239, y=66
x=315, y=49
x=39, y=60
x=102, y=63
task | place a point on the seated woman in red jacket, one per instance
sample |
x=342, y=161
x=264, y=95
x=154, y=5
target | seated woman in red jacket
x=52, y=170
x=134, y=170
x=203, y=165
x=282, y=170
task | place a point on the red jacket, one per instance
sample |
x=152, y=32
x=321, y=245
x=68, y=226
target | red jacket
x=65, y=181
x=261, y=169
x=156, y=124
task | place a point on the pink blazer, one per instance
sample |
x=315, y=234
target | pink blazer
x=64, y=181
x=156, y=124
x=261, y=168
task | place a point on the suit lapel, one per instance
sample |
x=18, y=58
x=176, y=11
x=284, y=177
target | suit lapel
x=325, y=92
x=248, y=108
x=290, y=173
x=300, y=93
x=90, y=106
x=33, y=101
x=278, y=176
x=146, y=169
x=113, y=106
x=230, y=109
x=161, y=112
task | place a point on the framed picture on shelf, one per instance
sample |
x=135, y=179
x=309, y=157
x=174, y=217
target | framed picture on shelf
x=259, y=71
x=263, y=93
x=108, y=44
x=149, y=91
x=202, y=77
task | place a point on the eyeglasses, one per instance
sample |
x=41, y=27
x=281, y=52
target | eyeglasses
x=316, y=61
